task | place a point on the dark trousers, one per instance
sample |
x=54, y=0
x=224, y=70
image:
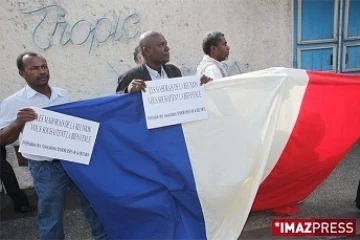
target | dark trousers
x=357, y=200
x=10, y=182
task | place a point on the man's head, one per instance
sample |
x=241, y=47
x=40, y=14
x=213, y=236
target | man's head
x=154, y=48
x=138, y=59
x=33, y=68
x=215, y=45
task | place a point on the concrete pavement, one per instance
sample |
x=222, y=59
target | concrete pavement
x=334, y=198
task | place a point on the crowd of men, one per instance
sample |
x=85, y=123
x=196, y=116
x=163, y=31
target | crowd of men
x=49, y=177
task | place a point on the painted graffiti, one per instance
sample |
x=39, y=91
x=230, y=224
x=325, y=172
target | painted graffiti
x=82, y=31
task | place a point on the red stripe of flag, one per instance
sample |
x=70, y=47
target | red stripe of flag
x=327, y=127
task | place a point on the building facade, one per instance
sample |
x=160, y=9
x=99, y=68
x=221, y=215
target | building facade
x=327, y=35
x=89, y=43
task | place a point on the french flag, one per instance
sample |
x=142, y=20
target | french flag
x=271, y=138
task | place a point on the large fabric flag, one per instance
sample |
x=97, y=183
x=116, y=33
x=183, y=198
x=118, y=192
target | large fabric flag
x=271, y=138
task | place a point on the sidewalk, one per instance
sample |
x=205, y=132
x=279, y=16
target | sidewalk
x=333, y=199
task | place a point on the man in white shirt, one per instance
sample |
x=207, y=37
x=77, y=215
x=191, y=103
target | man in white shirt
x=50, y=179
x=216, y=50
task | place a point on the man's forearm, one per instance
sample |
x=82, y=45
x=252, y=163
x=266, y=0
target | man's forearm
x=10, y=134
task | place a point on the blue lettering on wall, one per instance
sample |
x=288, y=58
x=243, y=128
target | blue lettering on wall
x=98, y=32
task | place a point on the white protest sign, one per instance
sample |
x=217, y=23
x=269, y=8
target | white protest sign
x=173, y=101
x=59, y=136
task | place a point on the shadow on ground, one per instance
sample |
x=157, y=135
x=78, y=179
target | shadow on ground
x=334, y=198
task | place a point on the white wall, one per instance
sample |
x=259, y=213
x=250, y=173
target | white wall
x=259, y=33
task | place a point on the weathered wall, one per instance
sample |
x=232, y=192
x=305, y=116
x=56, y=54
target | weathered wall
x=99, y=38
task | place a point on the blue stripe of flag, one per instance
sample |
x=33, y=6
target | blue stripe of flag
x=139, y=181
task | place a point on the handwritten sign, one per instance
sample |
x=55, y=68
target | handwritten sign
x=173, y=101
x=59, y=136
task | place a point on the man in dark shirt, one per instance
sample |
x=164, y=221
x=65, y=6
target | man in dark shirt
x=8, y=177
x=357, y=200
x=156, y=55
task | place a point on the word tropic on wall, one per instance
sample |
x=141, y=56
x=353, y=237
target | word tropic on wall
x=98, y=32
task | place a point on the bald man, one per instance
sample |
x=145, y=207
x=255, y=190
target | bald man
x=156, y=55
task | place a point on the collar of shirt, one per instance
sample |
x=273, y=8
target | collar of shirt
x=29, y=93
x=155, y=74
x=28, y=97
